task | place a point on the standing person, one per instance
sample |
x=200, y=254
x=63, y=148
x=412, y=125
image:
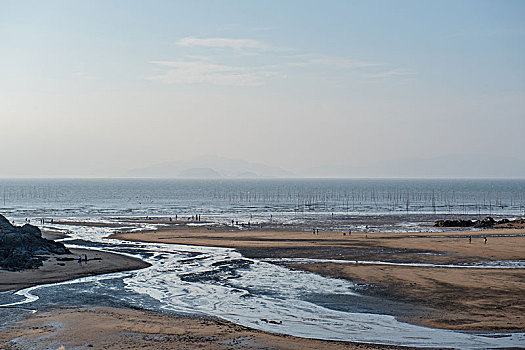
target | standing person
x=80, y=259
x=470, y=239
x=485, y=239
x=349, y=231
x=85, y=258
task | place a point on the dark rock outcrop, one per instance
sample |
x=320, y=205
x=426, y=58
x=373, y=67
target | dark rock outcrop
x=453, y=223
x=486, y=222
x=23, y=247
x=483, y=223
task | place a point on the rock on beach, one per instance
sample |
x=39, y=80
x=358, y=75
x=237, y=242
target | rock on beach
x=23, y=247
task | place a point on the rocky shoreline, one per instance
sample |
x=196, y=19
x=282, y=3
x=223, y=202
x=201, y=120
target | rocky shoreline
x=23, y=247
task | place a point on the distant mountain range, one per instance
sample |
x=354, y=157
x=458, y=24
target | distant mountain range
x=209, y=167
x=452, y=166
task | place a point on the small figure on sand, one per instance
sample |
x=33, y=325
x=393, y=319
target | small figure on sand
x=85, y=258
x=349, y=231
x=485, y=239
x=470, y=239
x=80, y=259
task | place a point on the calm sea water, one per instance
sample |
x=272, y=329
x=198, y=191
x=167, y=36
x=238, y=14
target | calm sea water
x=138, y=197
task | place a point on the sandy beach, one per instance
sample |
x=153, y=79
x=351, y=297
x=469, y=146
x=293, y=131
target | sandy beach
x=123, y=328
x=112, y=328
x=65, y=267
x=450, y=298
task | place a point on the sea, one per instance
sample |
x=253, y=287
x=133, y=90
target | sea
x=392, y=201
x=220, y=282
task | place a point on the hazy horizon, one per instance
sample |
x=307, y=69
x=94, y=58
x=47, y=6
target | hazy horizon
x=99, y=88
x=211, y=167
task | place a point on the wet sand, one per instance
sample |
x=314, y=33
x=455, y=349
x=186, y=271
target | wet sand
x=65, y=267
x=451, y=298
x=112, y=328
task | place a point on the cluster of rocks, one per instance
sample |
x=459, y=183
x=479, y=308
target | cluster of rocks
x=23, y=247
x=483, y=223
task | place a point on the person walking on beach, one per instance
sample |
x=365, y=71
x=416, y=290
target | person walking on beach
x=85, y=258
x=470, y=239
x=485, y=239
x=349, y=231
x=80, y=259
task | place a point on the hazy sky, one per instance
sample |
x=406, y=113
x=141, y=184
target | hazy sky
x=93, y=88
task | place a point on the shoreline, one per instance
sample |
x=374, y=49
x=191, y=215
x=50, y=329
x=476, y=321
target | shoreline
x=481, y=300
